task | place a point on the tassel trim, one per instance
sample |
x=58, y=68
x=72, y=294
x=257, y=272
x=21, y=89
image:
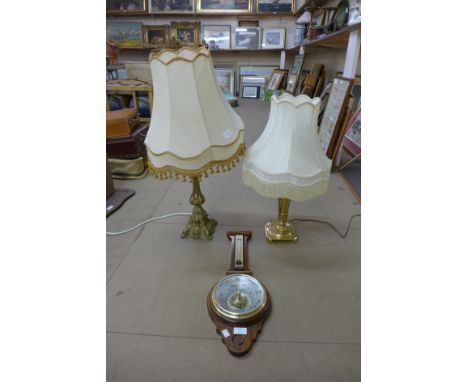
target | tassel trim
x=168, y=172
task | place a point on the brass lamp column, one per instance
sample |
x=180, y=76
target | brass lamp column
x=281, y=230
x=199, y=226
x=193, y=130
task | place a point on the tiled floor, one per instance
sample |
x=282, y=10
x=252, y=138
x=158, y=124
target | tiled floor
x=158, y=327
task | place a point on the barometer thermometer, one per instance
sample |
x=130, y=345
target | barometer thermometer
x=238, y=304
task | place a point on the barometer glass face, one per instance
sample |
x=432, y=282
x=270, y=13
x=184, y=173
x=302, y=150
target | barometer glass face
x=238, y=296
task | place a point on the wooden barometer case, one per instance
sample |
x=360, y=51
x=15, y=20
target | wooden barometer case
x=238, y=304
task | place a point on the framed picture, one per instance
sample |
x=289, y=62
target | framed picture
x=275, y=6
x=217, y=37
x=171, y=6
x=247, y=38
x=295, y=73
x=276, y=79
x=224, y=6
x=225, y=79
x=125, y=6
x=156, y=36
x=273, y=38
x=334, y=113
x=318, y=18
x=124, y=35
x=250, y=91
x=352, y=139
x=185, y=34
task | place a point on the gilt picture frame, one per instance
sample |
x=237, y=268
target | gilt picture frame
x=185, y=34
x=276, y=79
x=168, y=7
x=224, y=6
x=156, y=36
x=118, y=7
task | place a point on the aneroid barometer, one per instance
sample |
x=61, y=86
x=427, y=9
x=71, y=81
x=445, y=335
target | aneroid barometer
x=238, y=304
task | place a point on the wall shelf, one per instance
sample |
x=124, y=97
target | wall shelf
x=338, y=39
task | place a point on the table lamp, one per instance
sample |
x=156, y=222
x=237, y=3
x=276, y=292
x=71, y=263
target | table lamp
x=193, y=129
x=287, y=161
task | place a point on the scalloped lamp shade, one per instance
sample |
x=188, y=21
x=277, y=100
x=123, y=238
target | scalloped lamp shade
x=287, y=161
x=193, y=129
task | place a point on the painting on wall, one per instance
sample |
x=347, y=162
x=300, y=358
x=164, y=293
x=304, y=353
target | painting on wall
x=217, y=37
x=124, y=35
x=156, y=36
x=275, y=6
x=171, y=6
x=224, y=6
x=185, y=34
x=126, y=6
x=247, y=38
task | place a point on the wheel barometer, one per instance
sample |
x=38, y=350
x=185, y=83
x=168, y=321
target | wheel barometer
x=238, y=304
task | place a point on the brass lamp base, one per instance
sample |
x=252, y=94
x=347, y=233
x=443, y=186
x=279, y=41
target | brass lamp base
x=276, y=232
x=199, y=226
x=281, y=230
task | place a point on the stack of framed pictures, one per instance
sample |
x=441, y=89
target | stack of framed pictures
x=252, y=86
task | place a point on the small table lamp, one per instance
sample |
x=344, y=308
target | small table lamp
x=193, y=129
x=287, y=161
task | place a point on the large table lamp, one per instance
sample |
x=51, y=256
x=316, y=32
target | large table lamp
x=287, y=161
x=193, y=129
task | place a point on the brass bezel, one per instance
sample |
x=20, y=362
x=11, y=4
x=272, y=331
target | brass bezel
x=238, y=316
x=225, y=11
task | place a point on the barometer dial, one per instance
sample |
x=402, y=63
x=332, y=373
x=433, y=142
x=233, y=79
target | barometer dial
x=239, y=297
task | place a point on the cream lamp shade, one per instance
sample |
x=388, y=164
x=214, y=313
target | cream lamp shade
x=193, y=129
x=287, y=161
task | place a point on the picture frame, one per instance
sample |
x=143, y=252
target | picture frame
x=166, y=7
x=185, y=33
x=352, y=138
x=217, y=37
x=225, y=79
x=294, y=73
x=156, y=36
x=224, y=6
x=276, y=79
x=334, y=113
x=247, y=38
x=276, y=7
x=273, y=38
x=125, y=34
x=249, y=91
x=118, y=7
x=318, y=18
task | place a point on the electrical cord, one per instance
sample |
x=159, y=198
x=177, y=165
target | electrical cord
x=147, y=221
x=189, y=213
x=329, y=224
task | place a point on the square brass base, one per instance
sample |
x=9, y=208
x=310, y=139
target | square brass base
x=275, y=232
